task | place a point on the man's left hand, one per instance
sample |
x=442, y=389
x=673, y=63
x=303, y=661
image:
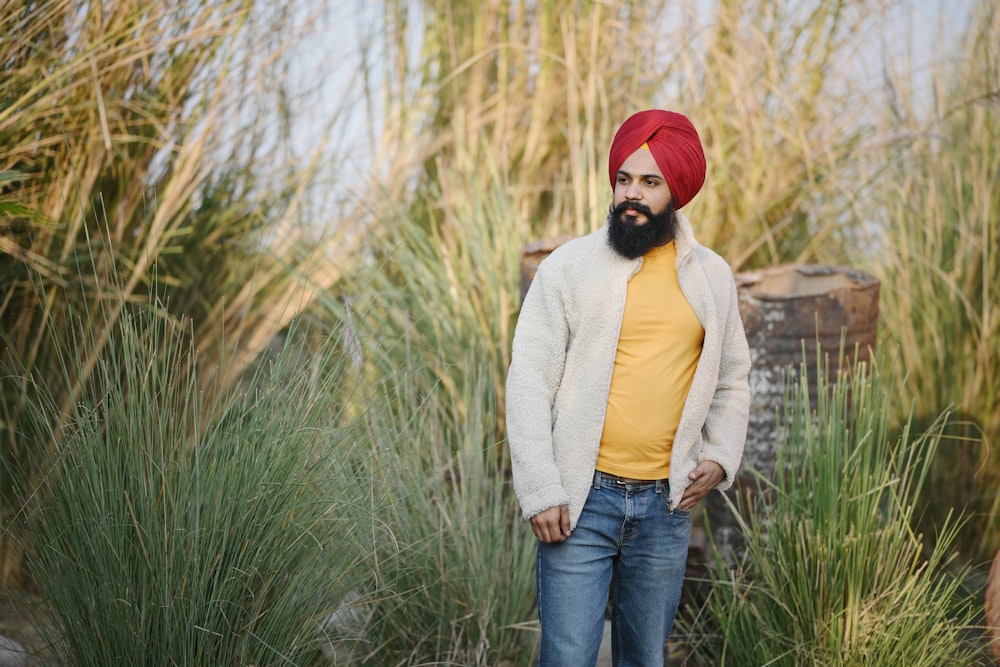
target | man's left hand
x=705, y=477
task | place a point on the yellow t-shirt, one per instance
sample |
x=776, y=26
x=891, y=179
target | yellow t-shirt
x=658, y=350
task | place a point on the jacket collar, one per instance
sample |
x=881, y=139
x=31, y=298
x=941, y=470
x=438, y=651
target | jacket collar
x=684, y=237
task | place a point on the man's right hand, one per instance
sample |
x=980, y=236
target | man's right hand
x=552, y=525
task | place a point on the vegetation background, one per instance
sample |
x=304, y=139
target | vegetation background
x=259, y=274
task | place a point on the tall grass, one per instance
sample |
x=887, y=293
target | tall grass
x=168, y=531
x=461, y=579
x=835, y=572
x=141, y=162
x=768, y=82
x=534, y=89
x=429, y=315
x=939, y=261
x=540, y=89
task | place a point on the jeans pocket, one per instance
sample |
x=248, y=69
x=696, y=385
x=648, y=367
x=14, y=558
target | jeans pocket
x=675, y=511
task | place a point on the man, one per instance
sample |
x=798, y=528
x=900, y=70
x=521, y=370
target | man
x=627, y=402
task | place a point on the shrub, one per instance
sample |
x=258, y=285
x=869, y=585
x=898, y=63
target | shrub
x=834, y=572
x=174, y=526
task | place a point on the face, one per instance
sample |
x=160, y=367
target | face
x=642, y=211
x=641, y=182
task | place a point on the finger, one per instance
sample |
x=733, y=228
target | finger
x=537, y=530
x=552, y=534
x=564, y=520
x=689, y=501
x=547, y=526
x=693, y=493
x=541, y=529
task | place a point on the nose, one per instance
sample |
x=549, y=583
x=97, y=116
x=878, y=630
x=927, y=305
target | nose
x=633, y=191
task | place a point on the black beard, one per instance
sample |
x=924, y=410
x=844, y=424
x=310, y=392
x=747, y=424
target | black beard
x=631, y=240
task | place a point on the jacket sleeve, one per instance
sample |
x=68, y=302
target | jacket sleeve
x=725, y=428
x=538, y=357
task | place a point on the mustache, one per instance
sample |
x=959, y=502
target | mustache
x=635, y=206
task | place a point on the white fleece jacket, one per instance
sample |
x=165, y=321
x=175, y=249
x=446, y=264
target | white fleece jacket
x=563, y=354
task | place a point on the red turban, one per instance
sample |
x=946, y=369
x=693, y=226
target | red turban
x=675, y=146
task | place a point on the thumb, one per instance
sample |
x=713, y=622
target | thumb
x=564, y=519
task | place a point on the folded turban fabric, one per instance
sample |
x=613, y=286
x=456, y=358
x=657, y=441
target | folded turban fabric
x=675, y=146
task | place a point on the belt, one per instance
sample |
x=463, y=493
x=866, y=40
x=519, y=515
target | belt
x=625, y=480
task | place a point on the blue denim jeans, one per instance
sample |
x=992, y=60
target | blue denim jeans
x=629, y=535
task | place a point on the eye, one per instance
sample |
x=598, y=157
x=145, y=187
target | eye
x=652, y=182
x=623, y=179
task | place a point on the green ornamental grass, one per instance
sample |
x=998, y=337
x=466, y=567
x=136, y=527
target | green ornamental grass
x=834, y=572
x=462, y=574
x=177, y=527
